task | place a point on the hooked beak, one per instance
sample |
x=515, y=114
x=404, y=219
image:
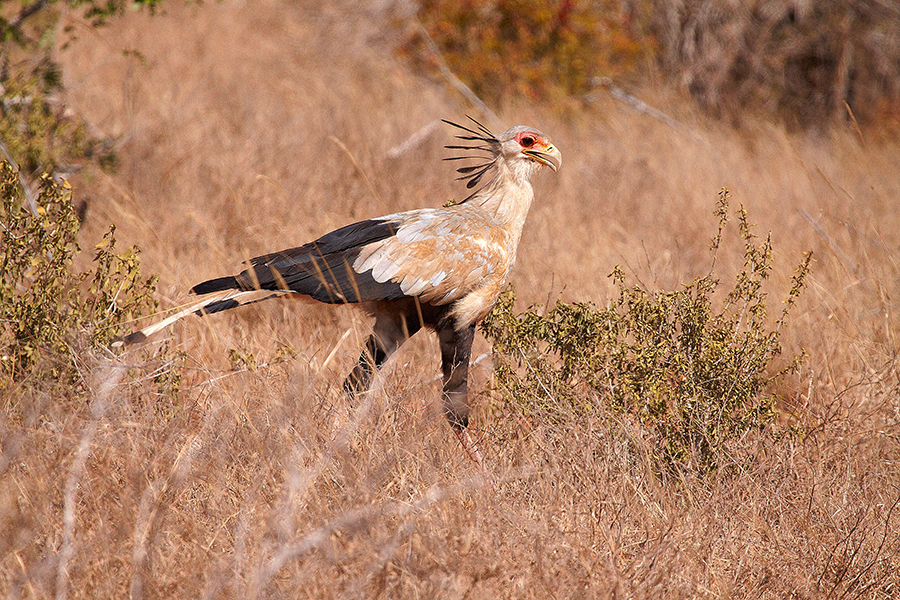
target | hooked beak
x=549, y=156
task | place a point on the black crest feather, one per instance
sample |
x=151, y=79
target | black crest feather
x=485, y=142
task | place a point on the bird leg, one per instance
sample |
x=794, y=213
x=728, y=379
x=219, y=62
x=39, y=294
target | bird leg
x=456, y=350
x=390, y=331
x=371, y=359
x=468, y=444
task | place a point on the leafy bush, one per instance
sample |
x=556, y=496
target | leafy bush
x=48, y=311
x=40, y=134
x=37, y=132
x=695, y=377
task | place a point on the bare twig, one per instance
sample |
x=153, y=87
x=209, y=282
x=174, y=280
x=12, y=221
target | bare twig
x=414, y=140
x=638, y=105
x=453, y=79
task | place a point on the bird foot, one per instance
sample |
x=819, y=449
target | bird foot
x=468, y=444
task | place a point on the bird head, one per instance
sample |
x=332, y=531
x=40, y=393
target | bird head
x=525, y=143
x=519, y=147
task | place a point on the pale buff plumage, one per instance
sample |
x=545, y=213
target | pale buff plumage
x=425, y=255
x=440, y=268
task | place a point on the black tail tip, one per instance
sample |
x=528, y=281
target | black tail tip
x=134, y=338
x=215, y=307
x=219, y=284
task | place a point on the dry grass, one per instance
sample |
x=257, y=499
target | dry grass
x=267, y=483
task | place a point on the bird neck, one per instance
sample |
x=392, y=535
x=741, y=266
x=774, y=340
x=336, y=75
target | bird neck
x=508, y=196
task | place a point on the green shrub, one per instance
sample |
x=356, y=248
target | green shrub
x=40, y=134
x=48, y=310
x=696, y=378
x=37, y=132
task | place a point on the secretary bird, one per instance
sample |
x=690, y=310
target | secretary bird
x=437, y=268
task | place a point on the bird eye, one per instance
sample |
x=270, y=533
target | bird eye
x=527, y=141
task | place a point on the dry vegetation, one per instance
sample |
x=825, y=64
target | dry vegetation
x=191, y=471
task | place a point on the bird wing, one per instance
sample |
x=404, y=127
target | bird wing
x=436, y=254
x=320, y=269
x=440, y=255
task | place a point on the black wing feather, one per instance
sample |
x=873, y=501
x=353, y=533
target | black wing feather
x=321, y=269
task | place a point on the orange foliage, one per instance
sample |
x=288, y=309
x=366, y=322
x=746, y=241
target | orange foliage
x=519, y=48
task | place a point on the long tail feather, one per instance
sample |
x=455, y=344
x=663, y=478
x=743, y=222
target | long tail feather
x=217, y=303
